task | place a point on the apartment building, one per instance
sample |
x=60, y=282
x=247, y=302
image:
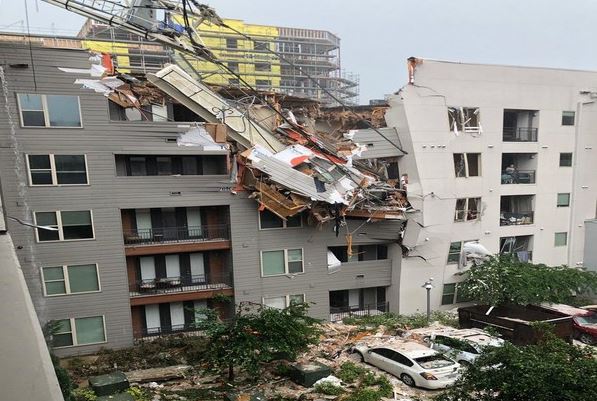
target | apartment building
x=501, y=155
x=126, y=233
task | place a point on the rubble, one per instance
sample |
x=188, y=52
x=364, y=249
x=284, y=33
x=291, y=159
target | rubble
x=155, y=375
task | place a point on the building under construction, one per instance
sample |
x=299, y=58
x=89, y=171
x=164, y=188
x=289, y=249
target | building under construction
x=275, y=58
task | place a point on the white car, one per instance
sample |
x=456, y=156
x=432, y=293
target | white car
x=464, y=346
x=414, y=363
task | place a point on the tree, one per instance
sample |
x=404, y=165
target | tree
x=257, y=334
x=551, y=370
x=503, y=279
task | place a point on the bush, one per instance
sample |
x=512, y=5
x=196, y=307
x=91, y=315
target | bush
x=64, y=380
x=405, y=322
x=84, y=394
x=349, y=372
x=138, y=394
x=328, y=389
x=364, y=394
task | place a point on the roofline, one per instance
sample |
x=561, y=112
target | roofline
x=502, y=65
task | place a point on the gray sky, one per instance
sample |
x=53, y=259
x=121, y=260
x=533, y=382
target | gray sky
x=378, y=35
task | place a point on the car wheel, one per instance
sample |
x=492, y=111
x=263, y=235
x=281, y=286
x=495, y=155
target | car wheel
x=586, y=338
x=409, y=381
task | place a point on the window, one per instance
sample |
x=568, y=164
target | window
x=62, y=280
x=565, y=159
x=467, y=164
x=360, y=253
x=231, y=43
x=464, y=119
x=57, y=169
x=561, y=239
x=286, y=261
x=79, y=331
x=166, y=165
x=233, y=65
x=260, y=46
x=467, y=209
x=454, y=252
x=49, y=110
x=263, y=67
x=448, y=294
x=563, y=200
x=263, y=83
x=233, y=81
x=283, y=301
x=268, y=221
x=568, y=117
x=69, y=225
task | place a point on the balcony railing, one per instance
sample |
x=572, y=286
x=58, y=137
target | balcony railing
x=520, y=134
x=518, y=177
x=165, y=330
x=169, y=285
x=516, y=218
x=339, y=313
x=163, y=235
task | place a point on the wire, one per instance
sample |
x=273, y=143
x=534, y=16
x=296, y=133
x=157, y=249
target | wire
x=30, y=46
x=327, y=92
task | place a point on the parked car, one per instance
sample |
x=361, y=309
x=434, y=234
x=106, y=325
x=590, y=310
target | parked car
x=464, y=346
x=415, y=364
x=584, y=321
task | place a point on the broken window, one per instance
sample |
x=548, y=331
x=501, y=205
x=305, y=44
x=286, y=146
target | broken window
x=467, y=209
x=464, y=119
x=153, y=112
x=467, y=164
x=268, y=220
x=360, y=253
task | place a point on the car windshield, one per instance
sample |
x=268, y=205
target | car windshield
x=587, y=320
x=433, y=361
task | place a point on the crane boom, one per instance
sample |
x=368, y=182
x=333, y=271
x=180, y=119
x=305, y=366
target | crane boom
x=139, y=17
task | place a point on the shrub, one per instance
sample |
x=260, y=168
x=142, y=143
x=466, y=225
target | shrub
x=138, y=394
x=328, y=388
x=84, y=394
x=350, y=372
x=364, y=394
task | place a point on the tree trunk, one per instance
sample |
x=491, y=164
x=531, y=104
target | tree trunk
x=230, y=372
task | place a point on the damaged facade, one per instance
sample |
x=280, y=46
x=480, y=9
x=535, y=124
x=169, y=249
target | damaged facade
x=162, y=196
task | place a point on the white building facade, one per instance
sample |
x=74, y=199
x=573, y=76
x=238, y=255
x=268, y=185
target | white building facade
x=500, y=154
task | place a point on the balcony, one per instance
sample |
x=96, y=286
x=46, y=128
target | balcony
x=518, y=177
x=339, y=313
x=520, y=125
x=171, y=285
x=516, y=218
x=520, y=134
x=165, y=235
x=165, y=330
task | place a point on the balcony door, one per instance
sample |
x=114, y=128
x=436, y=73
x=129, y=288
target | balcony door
x=144, y=227
x=194, y=222
x=152, y=318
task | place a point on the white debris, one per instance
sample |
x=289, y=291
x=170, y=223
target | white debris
x=198, y=136
x=331, y=379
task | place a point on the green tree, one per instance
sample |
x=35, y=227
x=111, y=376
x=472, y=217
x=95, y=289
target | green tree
x=551, y=370
x=503, y=279
x=257, y=334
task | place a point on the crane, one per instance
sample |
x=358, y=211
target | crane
x=178, y=29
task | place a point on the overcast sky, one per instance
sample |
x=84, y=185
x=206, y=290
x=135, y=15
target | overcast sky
x=379, y=35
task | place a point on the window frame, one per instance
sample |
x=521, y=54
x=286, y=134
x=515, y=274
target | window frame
x=455, y=297
x=45, y=110
x=73, y=332
x=284, y=223
x=465, y=157
x=286, y=272
x=466, y=209
x=573, y=118
x=286, y=299
x=54, y=172
x=58, y=214
x=571, y=159
x=66, y=280
x=558, y=204
x=555, y=241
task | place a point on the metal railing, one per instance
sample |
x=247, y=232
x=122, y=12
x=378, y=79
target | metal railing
x=339, y=313
x=516, y=218
x=149, y=236
x=168, y=285
x=520, y=134
x=165, y=330
x=518, y=177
